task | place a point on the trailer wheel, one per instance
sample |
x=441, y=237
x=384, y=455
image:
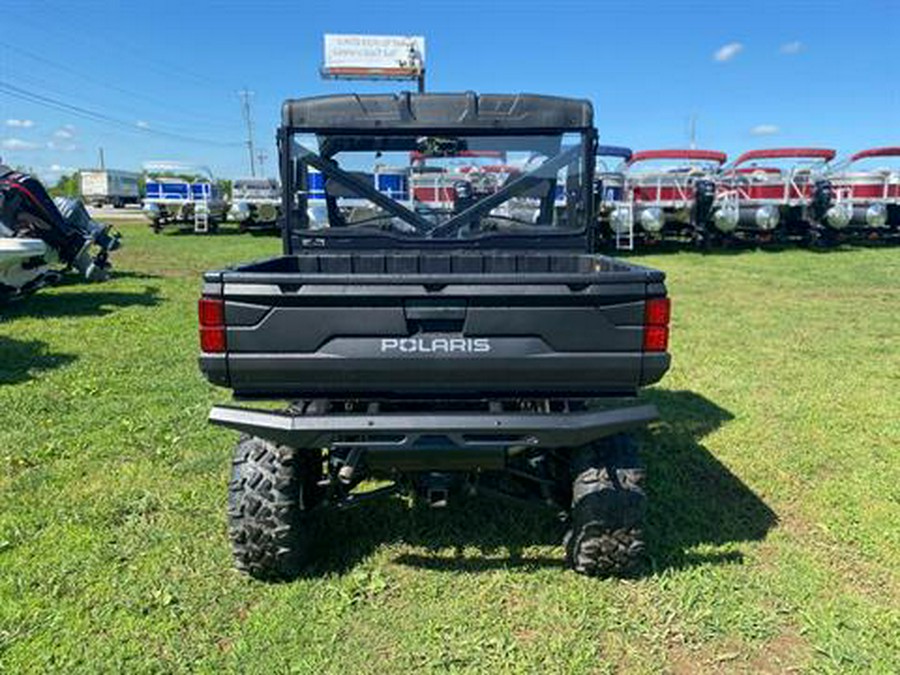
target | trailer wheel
x=608, y=504
x=271, y=490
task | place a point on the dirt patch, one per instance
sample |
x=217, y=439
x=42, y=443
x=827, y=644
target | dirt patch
x=849, y=570
x=788, y=652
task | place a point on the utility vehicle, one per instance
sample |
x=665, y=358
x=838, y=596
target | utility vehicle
x=473, y=345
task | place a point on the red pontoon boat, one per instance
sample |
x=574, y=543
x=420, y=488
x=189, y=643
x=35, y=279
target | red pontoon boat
x=868, y=186
x=779, y=188
x=662, y=186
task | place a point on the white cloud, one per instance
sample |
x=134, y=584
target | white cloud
x=23, y=124
x=764, y=130
x=18, y=144
x=141, y=124
x=728, y=52
x=63, y=147
x=794, y=47
x=65, y=132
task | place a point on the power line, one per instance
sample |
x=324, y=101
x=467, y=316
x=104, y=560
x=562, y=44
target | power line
x=56, y=104
x=158, y=63
x=110, y=85
x=138, y=116
x=261, y=156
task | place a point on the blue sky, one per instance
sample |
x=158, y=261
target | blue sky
x=159, y=80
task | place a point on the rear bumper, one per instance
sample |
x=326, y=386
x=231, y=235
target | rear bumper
x=501, y=431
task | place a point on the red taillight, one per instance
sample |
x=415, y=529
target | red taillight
x=657, y=312
x=212, y=340
x=656, y=338
x=211, y=311
x=212, y=324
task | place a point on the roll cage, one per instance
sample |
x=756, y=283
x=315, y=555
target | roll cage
x=387, y=122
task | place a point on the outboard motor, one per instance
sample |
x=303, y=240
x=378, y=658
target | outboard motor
x=27, y=209
x=824, y=209
x=704, y=198
x=465, y=195
x=63, y=224
x=822, y=198
x=96, y=235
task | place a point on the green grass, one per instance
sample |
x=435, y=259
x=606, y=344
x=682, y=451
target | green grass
x=774, y=482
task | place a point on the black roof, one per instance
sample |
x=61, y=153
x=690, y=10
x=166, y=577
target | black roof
x=469, y=112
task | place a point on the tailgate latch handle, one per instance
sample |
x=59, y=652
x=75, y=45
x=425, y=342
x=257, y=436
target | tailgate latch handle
x=443, y=316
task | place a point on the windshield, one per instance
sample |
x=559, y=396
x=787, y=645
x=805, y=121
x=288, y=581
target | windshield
x=439, y=187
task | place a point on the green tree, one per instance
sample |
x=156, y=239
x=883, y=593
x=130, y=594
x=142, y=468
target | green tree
x=226, y=186
x=66, y=186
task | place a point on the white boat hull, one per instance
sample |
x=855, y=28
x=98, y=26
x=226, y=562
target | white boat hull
x=22, y=263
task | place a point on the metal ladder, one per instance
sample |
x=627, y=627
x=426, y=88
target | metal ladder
x=201, y=217
x=625, y=239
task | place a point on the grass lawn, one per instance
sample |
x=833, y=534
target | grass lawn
x=774, y=478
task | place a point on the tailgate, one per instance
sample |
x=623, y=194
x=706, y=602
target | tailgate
x=366, y=333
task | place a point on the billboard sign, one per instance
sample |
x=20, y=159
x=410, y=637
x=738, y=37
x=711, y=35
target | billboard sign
x=392, y=57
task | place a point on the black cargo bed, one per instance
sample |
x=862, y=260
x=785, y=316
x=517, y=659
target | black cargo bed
x=446, y=263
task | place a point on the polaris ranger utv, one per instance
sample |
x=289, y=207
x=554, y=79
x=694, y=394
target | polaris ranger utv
x=448, y=330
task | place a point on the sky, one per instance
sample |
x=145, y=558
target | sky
x=159, y=81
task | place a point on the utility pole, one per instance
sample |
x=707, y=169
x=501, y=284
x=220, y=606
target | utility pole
x=694, y=132
x=415, y=61
x=261, y=158
x=102, y=160
x=245, y=111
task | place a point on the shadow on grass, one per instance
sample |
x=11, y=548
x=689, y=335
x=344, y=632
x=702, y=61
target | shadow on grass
x=20, y=359
x=69, y=279
x=739, y=248
x=187, y=229
x=498, y=532
x=671, y=247
x=263, y=230
x=130, y=274
x=693, y=500
x=264, y=234
x=89, y=302
x=231, y=230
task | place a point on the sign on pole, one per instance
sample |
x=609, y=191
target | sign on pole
x=374, y=57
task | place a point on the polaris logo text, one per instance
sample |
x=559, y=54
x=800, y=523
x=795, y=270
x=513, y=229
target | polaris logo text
x=436, y=345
